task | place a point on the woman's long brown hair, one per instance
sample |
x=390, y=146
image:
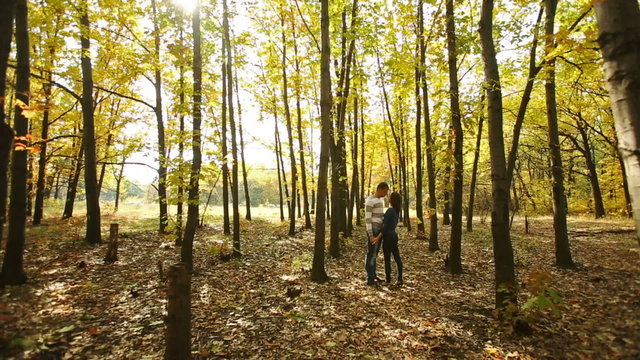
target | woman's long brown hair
x=396, y=200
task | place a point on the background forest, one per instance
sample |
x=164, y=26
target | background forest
x=218, y=115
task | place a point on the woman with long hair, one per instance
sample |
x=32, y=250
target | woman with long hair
x=390, y=237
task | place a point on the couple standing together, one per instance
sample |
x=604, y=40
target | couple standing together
x=381, y=228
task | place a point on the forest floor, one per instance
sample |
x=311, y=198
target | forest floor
x=76, y=307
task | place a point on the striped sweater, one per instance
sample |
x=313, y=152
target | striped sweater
x=373, y=214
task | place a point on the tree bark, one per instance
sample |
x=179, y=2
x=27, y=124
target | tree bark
x=234, y=143
x=619, y=39
x=563, y=251
x=112, y=249
x=419, y=74
x=455, y=249
x=318, y=272
x=474, y=172
x=162, y=153
x=186, y=252
x=505, y=278
x=12, y=267
x=72, y=185
x=44, y=134
x=178, y=321
x=92, y=194
x=245, y=182
x=225, y=167
x=7, y=14
x=287, y=116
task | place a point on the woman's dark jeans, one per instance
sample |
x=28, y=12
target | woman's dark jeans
x=390, y=247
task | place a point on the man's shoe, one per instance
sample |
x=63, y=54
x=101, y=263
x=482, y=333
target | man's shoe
x=400, y=282
x=372, y=283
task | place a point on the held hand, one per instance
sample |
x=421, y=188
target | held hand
x=372, y=239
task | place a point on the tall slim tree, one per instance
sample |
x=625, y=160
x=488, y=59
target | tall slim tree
x=455, y=249
x=12, y=267
x=619, y=39
x=287, y=116
x=162, y=154
x=505, y=277
x=232, y=128
x=186, y=252
x=419, y=73
x=92, y=194
x=474, y=171
x=318, y=272
x=429, y=150
x=563, y=251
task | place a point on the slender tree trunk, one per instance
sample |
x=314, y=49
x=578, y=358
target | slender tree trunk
x=277, y=153
x=287, y=116
x=12, y=267
x=318, y=272
x=591, y=167
x=44, y=134
x=563, y=251
x=474, y=172
x=245, y=182
x=303, y=170
x=283, y=174
x=505, y=284
x=119, y=178
x=180, y=204
x=419, y=74
x=162, y=153
x=429, y=153
x=92, y=195
x=619, y=39
x=234, y=143
x=455, y=249
x=225, y=166
x=186, y=252
x=72, y=185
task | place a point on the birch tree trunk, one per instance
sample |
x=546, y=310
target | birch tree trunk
x=619, y=38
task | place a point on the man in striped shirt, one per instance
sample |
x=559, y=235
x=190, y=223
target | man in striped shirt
x=373, y=215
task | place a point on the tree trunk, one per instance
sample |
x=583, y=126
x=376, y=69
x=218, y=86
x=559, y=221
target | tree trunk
x=72, y=185
x=277, y=153
x=419, y=75
x=303, y=170
x=619, y=39
x=92, y=194
x=12, y=267
x=234, y=143
x=593, y=172
x=112, y=249
x=429, y=151
x=318, y=272
x=225, y=167
x=162, y=153
x=474, y=172
x=505, y=278
x=178, y=321
x=119, y=178
x=287, y=116
x=7, y=14
x=245, y=182
x=455, y=250
x=563, y=251
x=44, y=134
x=180, y=204
x=186, y=252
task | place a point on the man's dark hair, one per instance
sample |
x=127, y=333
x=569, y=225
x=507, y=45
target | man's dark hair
x=382, y=186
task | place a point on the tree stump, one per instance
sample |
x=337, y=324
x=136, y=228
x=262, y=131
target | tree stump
x=178, y=320
x=112, y=250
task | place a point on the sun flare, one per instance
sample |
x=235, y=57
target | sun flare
x=187, y=5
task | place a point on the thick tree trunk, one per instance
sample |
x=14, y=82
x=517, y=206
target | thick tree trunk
x=12, y=267
x=318, y=272
x=92, y=194
x=505, y=278
x=178, y=321
x=563, y=251
x=619, y=22
x=455, y=249
x=186, y=252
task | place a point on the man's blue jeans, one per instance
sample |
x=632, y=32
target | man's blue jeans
x=370, y=261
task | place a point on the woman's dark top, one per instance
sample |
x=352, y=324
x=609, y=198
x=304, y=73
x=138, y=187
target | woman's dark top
x=389, y=223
